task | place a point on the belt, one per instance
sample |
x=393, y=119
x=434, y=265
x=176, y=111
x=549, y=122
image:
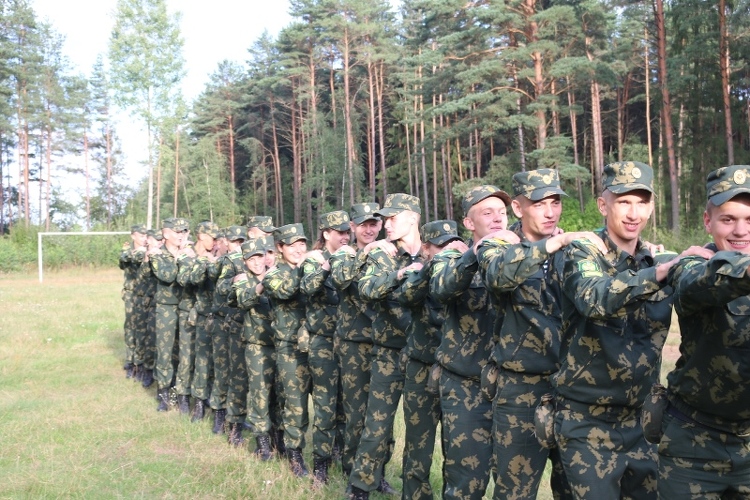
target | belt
x=608, y=413
x=683, y=411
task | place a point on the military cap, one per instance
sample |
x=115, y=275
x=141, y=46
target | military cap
x=222, y=233
x=207, y=227
x=267, y=242
x=725, y=183
x=397, y=203
x=262, y=222
x=138, y=228
x=440, y=232
x=253, y=247
x=177, y=224
x=234, y=233
x=625, y=176
x=155, y=233
x=289, y=234
x=537, y=184
x=481, y=193
x=362, y=212
x=338, y=220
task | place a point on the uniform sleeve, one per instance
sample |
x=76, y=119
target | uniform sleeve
x=228, y=272
x=124, y=259
x=164, y=266
x=345, y=267
x=414, y=287
x=452, y=273
x=184, y=266
x=597, y=294
x=282, y=283
x=379, y=277
x=313, y=277
x=246, y=294
x=504, y=267
x=701, y=284
x=199, y=271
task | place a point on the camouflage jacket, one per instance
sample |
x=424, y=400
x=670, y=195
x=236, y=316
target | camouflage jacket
x=616, y=317
x=712, y=301
x=203, y=276
x=258, y=311
x=130, y=263
x=145, y=281
x=466, y=340
x=355, y=315
x=282, y=287
x=225, y=301
x=391, y=318
x=531, y=280
x=423, y=334
x=164, y=267
x=184, y=267
x=322, y=297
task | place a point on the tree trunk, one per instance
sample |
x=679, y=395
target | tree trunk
x=725, y=69
x=158, y=181
x=177, y=171
x=381, y=129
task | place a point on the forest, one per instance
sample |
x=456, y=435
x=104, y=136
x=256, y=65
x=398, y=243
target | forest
x=356, y=99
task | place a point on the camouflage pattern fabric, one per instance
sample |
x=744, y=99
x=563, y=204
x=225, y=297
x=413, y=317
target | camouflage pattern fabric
x=705, y=449
x=616, y=317
x=220, y=331
x=537, y=184
x=168, y=294
x=130, y=262
x=625, y=176
x=203, y=276
x=186, y=343
x=143, y=306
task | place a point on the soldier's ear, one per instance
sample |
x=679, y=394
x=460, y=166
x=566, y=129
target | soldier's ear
x=601, y=204
x=516, y=206
x=469, y=224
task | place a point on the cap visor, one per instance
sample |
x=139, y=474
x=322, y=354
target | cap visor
x=388, y=212
x=626, y=188
x=540, y=194
x=721, y=198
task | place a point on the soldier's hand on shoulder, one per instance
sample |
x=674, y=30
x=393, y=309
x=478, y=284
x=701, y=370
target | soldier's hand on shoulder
x=554, y=243
x=315, y=255
x=384, y=245
x=653, y=248
x=457, y=245
x=503, y=234
x=347, y=249
x=414, y=266
x=239, y=277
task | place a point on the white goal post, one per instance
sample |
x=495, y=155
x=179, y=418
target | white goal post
x=40, y=252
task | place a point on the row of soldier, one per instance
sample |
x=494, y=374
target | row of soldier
x=523, y=344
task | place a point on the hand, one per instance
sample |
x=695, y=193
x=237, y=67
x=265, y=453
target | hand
x=457, y=245
x=384, y=245
x=503, y=234
x=414, y=266
x=315, y=255
x=188, y=251
x=555, y=243
x=348, y=249
x=653, y=248
x=239, y=277
x=697, y=251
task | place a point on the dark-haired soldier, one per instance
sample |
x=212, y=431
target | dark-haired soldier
x=131, y=257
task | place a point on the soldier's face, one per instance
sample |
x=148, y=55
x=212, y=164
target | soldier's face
x=139, y=239
x=366, y=232
x=294, y=253
x=729, y=224
x=207, y=241
x=627, y=214
x=256, y=264
x=172, y=237
x=539, y=218
x=255, y=232
x=335, y=239
x=153, y=242
x=270, y=258
x=399, y=225
x=234, y=245
x=487, y=216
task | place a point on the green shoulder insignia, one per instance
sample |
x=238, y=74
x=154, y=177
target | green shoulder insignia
x=437, y=267
x=589, y=269
x=309, y=267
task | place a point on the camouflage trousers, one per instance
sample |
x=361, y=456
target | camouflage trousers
x=237, y=384
x=355, y=359
x=386, y=386
x=167, y=318
x=128, y=327
x=220, y=353
x=699, y=462
x=203, y=365
x=324, y=373
x=149, y=359
x=294, y=373
x=186, y=346
x=466, y=437
x=421, y=418
x=141, y=309
x=519, y=458
x=605, y=456
x=264, y=402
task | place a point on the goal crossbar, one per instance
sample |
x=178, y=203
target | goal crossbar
x=40, y=250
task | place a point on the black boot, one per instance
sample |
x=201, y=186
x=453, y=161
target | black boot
x=129, y=369
x=183, y=403
x=162, y=395
x=320, y=471
x=297, y=463
x=358, y=494
x=199, y=410
x=263, y=451
x=277, y=441
x=148, y=378
x=386, y=489
x=138, y=373
x=219, y=416
x=235, y=434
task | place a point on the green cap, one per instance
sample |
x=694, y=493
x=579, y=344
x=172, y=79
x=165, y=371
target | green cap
x=177, y=224
x=235, y=233
x=268, y=243
x=262, y=222
x=138, y=228
x=207, y=227
x=338, y=220
x=362, y=212
x=397, y=203
x=440, y=232
x=725, y=183
x=625, y=176
x=222, y=233
x=253, y=247
x=481, y=193
x=155, y=233
x=289, y=234
x=537, y=184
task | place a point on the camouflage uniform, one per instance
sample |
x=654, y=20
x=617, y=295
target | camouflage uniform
x=464, y=350
x=527, y=349
x=705, y=449
x=130, y=261
x=186, y=342
x=282, y=287
x=322, y=305
x=616, y=317
x=421, y=405
x=145, y=320
x=353, y=338
x=389, y=337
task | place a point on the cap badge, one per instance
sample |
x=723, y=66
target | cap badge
x=739, y=177
x=636, y=172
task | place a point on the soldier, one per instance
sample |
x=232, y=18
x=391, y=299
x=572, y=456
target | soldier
x=465, y=347
x=168, y=294
x=203, y=275
x=281, y=284
x=259, y=226
x=353, y=336
x=421, y=402
x=616, y=313
x=322, y=305
x=526, y=267
x=188, y=317
x=705, y=448
x=386, y=264
x=147, y=289
x=130, y=260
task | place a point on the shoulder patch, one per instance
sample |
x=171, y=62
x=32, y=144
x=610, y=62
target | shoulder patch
x=589, y=268
x=437, y=268
x=309, y=267
x=274, y=284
